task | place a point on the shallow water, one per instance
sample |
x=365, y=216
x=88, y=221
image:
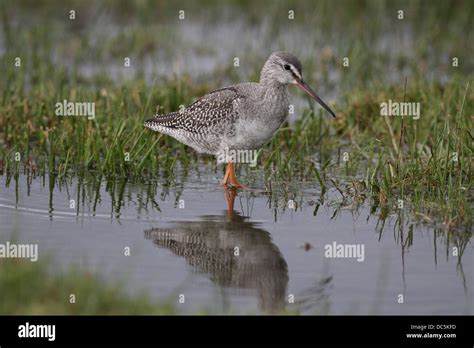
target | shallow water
x=182, y=240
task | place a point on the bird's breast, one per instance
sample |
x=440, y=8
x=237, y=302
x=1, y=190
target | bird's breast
x=260, y=116
x=258, y=127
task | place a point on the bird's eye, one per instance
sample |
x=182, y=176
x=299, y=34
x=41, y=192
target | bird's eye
x=287, y=67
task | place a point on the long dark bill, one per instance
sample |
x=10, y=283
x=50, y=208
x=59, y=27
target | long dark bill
x=304, y=86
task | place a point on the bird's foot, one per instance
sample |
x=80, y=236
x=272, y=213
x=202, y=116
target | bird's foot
x=238, y=185
x=234, y=185
x=230, y=176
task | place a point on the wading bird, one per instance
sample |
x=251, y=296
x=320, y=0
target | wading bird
x=244, y=116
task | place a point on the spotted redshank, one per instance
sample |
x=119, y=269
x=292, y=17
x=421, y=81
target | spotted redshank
x=244, y=116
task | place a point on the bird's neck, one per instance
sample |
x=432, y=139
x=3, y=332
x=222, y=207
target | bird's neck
x=267, y=79
x=275, y=90
x=275, y=99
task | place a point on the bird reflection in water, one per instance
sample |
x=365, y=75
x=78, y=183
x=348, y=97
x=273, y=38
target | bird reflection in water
x=209, y=246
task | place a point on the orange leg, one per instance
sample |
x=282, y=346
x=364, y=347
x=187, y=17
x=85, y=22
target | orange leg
x=226, y=176
x=230, y=195
x=231, y=175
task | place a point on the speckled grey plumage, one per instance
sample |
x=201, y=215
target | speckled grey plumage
x=244, y=116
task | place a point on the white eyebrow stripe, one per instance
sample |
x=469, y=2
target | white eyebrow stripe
x=293, y=69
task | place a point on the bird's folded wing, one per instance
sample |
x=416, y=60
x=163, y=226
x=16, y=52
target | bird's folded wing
x=215, y=108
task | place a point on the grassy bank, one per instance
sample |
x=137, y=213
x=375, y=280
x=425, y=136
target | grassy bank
x=427, y=164
x=29, y=289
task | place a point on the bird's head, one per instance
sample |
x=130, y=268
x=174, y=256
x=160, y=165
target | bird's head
x=284, y=68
